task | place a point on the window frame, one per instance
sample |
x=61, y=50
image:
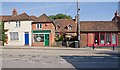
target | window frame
x=39, y=25
x=14, y=36
x=69, y=27
x=18, y=24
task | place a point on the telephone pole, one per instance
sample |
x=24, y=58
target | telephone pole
x=78, y=23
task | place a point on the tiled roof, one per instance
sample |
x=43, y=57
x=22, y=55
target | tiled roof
x=98, y=26
x=33, y=17
x=64, y=23
x=3, y=18
x=43, y=18
x=22, y=16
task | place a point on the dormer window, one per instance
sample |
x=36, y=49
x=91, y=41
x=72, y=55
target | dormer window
x=38, y=25
x=58, y=27
x=17, y=23
x=69, y=27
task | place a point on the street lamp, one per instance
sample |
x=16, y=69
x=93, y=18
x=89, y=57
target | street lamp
x=78, y=23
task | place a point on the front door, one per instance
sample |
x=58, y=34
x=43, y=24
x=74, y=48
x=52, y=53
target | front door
x=26, y=38
x=46, y=39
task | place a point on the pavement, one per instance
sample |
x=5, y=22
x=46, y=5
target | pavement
x=58, y=57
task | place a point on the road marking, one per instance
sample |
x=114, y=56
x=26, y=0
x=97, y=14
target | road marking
x=79, y=57
x=97, y=57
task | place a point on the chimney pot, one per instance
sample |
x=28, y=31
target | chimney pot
x=14, y=12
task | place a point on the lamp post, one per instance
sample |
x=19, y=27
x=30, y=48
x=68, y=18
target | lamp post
x=78, y=23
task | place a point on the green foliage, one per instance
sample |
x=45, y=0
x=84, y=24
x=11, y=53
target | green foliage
x=60, y=16
x=60, y=38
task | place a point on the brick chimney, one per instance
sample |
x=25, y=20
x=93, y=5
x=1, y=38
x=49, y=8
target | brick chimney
x=14, y=12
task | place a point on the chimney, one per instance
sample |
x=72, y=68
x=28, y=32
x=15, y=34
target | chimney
x=116, y=13
x=14, y=12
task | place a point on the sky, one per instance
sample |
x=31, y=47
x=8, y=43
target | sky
x=90, y=11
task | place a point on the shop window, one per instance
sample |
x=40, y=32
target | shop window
x=113, y=38
x=108, y=38
x=102, y=37
x=38, y=37
x=96, y=38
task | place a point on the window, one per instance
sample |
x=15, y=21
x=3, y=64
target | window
x=58, y=27
x=102, y=37
x=108, y=38
x=96, y=38
x=113, y=38
x=70, y=27
x=14, y=36
x=17, y=23
x=38, y=25
x=38, y=37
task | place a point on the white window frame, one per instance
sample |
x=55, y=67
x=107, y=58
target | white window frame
x=38, y=25
x=14, y=36
x=69, y=27
x=17, y=23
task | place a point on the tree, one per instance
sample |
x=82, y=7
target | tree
x=60, y=16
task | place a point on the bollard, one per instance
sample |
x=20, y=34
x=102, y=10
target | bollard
x=93, y=47
x=113, y=47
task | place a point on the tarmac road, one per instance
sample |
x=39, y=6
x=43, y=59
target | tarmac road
x=59, y=58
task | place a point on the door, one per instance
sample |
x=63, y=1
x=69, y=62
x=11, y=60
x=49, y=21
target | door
x=46, y=39
x=26, y=38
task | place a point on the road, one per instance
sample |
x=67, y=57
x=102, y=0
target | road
x=59, y=58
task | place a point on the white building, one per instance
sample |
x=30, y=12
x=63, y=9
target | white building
x=18, y=29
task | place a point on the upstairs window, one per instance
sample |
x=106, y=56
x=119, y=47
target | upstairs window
x=70, y=27
x=17, y=23
x=38, y=25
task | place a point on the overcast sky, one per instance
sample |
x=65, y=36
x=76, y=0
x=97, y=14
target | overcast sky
x=90, y=11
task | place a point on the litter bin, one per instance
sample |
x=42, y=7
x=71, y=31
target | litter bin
x=76, y=44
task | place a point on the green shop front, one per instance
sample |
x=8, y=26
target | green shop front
x=41, y=37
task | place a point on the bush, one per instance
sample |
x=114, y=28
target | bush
x=60, y=38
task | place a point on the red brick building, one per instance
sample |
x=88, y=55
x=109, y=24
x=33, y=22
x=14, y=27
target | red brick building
x=101, y=33
x=65, y=26
x=43, y=31
x=97, y=33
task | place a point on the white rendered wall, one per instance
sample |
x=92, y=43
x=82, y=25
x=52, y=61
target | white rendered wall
x=25, y=27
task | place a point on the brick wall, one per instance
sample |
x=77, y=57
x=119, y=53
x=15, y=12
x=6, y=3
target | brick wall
x=83, y=39
x=45, y=26
x=90, y=39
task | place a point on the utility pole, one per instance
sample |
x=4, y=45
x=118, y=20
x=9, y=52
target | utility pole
x=78, y=23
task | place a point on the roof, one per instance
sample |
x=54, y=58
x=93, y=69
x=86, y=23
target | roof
x=65, y=23
x=43, y=18
x=22, y=16
x=116, y=17
x=98, y=26
x=3, y=18
x=33, y=17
